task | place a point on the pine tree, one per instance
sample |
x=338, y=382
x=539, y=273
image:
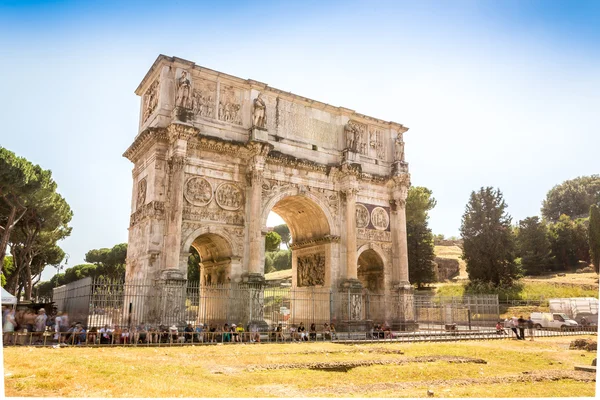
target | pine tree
x=533, y=245
x=488, y=240
x=419, y=238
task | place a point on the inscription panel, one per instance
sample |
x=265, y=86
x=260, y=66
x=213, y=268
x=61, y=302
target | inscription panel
x=296, y=119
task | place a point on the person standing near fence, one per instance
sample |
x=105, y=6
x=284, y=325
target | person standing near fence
x=522, y=322
x=513, y=326
x=40, y=321
x=9, y=327
x=530, y=327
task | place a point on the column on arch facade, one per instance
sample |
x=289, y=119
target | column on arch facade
x=254, y=212
x=398, y=231
x=178, y=138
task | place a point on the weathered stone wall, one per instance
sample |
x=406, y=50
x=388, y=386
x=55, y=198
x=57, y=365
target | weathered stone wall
x=446, y=268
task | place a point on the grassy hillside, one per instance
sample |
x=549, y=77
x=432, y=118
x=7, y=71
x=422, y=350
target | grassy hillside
x=529, y=289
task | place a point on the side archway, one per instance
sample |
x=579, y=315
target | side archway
x=372, y=264
x=219, y=263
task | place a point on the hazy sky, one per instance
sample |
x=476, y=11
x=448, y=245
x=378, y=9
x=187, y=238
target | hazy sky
x=495, y=93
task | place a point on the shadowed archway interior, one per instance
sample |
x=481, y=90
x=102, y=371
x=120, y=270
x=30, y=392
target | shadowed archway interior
x=370, y=270
x=215, y=258
x=304, y=218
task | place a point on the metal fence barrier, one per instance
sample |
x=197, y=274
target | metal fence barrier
x=96, y=303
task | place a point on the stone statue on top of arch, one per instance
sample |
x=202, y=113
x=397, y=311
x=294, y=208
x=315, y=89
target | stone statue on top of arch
x=259, y=117
x=399, y=149
x=352, y=136
x=184, y=90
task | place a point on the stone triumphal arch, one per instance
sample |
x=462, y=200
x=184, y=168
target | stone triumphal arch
x=215, y=154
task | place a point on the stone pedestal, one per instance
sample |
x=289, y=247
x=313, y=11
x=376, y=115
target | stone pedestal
x=254, y=300
x=351, y=314
x=259, y=134
x=172, y=292
x=404, y=318
x=350, y=156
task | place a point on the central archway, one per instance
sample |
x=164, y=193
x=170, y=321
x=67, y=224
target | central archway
x=310, y=226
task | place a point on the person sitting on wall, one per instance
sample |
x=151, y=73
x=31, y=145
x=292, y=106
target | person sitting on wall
x=212, y=333
x=279, y=332
x=500, y=329
x=153, y=335
x=226, y=334
x=173, y=334
x=375, y=331
x=105, y=335
x=254, y=334
x=312, y=332
x=92, y=335
x=141, y=333
x=332, y=329
x=239, y=332
x=188, y=333
x=125, y=336
x=293, y=333
x=387, y=331
x=81, y=334
x=302, y=332
x=199, y=335
x=163, y=331
x=326, y=331
x=117, y=334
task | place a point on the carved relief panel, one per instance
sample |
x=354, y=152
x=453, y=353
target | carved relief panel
x=141, y=194
x=380, y=218
x=362, y=216
x=229, y=197
x=376, y=136
x=356, y=137
x=371, y=217
x=230, y=105
x=204, y=98
x=150, y=100
x=311, y=270
x=198, y=191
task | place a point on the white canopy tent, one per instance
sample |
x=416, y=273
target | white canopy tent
x=8, y=298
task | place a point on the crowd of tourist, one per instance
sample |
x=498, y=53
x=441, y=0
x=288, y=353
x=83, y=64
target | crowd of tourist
x=42, y=328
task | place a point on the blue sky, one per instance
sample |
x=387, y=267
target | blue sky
x=495, y=93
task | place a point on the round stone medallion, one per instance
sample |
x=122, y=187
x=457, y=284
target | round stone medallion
x=198, y=191
x=229, y=197
x=380, y=218
x=362, y=216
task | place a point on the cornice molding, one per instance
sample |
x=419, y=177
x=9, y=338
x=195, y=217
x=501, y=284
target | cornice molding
x=315, y=242
x=149, y=135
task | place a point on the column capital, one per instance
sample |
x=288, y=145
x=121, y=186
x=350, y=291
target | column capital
x=181, y=132
x=176, y=162
x=254, y=176
x=259, y=150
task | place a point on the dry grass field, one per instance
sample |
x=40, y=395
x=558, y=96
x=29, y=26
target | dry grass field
x=507, y=368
